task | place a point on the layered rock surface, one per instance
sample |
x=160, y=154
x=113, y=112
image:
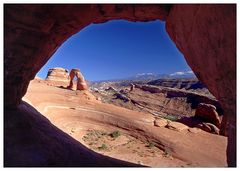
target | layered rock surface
x=74, y=113
x=174, y=104
x=156, y=100
x=208, y=112
x=178, y=83
x=58, y=76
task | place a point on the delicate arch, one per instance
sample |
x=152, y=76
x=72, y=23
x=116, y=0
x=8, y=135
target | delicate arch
x=81, y=83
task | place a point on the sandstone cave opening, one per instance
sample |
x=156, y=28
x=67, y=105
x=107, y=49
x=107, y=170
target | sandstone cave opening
x=176, y=101
x=30, y=39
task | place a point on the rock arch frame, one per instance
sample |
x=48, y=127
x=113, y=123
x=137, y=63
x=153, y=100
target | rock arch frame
x=205, y=34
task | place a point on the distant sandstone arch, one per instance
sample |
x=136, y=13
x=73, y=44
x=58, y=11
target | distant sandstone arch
x=205, y=34
x=81, y=83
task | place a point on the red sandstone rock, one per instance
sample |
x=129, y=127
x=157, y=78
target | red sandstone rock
x=57, y=74
x=30, y=38
x=205, y=34
x=188, y=147
x=36, y=142
x=204, y=127
x=208, y=127
x=81, y=83
x=176, y=126
x=208, y=112
x=214, y=129
x=160, y=122
x=37, y=78
x=194, y=130
x=175, y=101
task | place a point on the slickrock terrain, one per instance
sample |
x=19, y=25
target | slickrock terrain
x=131, y=136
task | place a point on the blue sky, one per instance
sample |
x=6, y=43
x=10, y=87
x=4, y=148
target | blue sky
x=119, y=49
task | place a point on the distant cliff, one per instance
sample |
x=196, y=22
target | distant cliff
x=191, y=83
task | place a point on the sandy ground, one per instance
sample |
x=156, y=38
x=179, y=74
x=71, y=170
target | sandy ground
x=93, y=124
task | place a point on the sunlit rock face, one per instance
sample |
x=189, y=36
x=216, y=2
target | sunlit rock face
x=81, y=83
x=205, y=34
x=58, y=75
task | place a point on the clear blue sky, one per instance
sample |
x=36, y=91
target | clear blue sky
x=119, y=49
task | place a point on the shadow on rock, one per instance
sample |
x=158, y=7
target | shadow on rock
x=30, y=139
x=190, y=121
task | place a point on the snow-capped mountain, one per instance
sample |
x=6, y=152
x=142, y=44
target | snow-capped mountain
x=147, y=76
x=152, y=76
x=183, y=74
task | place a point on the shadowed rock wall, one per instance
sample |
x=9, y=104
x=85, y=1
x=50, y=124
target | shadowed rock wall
x=205, y=34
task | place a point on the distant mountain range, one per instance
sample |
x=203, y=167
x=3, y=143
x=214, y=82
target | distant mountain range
x=151, y=76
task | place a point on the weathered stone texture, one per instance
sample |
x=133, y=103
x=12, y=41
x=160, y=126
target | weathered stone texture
x=208, y=112
x=58, y=74
x=81, y=83
x=205, y=34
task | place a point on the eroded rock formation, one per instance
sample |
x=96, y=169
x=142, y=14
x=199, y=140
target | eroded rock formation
x=81, y=83
x=193, y=98
x=160, y=122
x=208, y=127
x=58, y=76
x=177, y=126
x=178, y=83
x=205, y=34
x=208, y=112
